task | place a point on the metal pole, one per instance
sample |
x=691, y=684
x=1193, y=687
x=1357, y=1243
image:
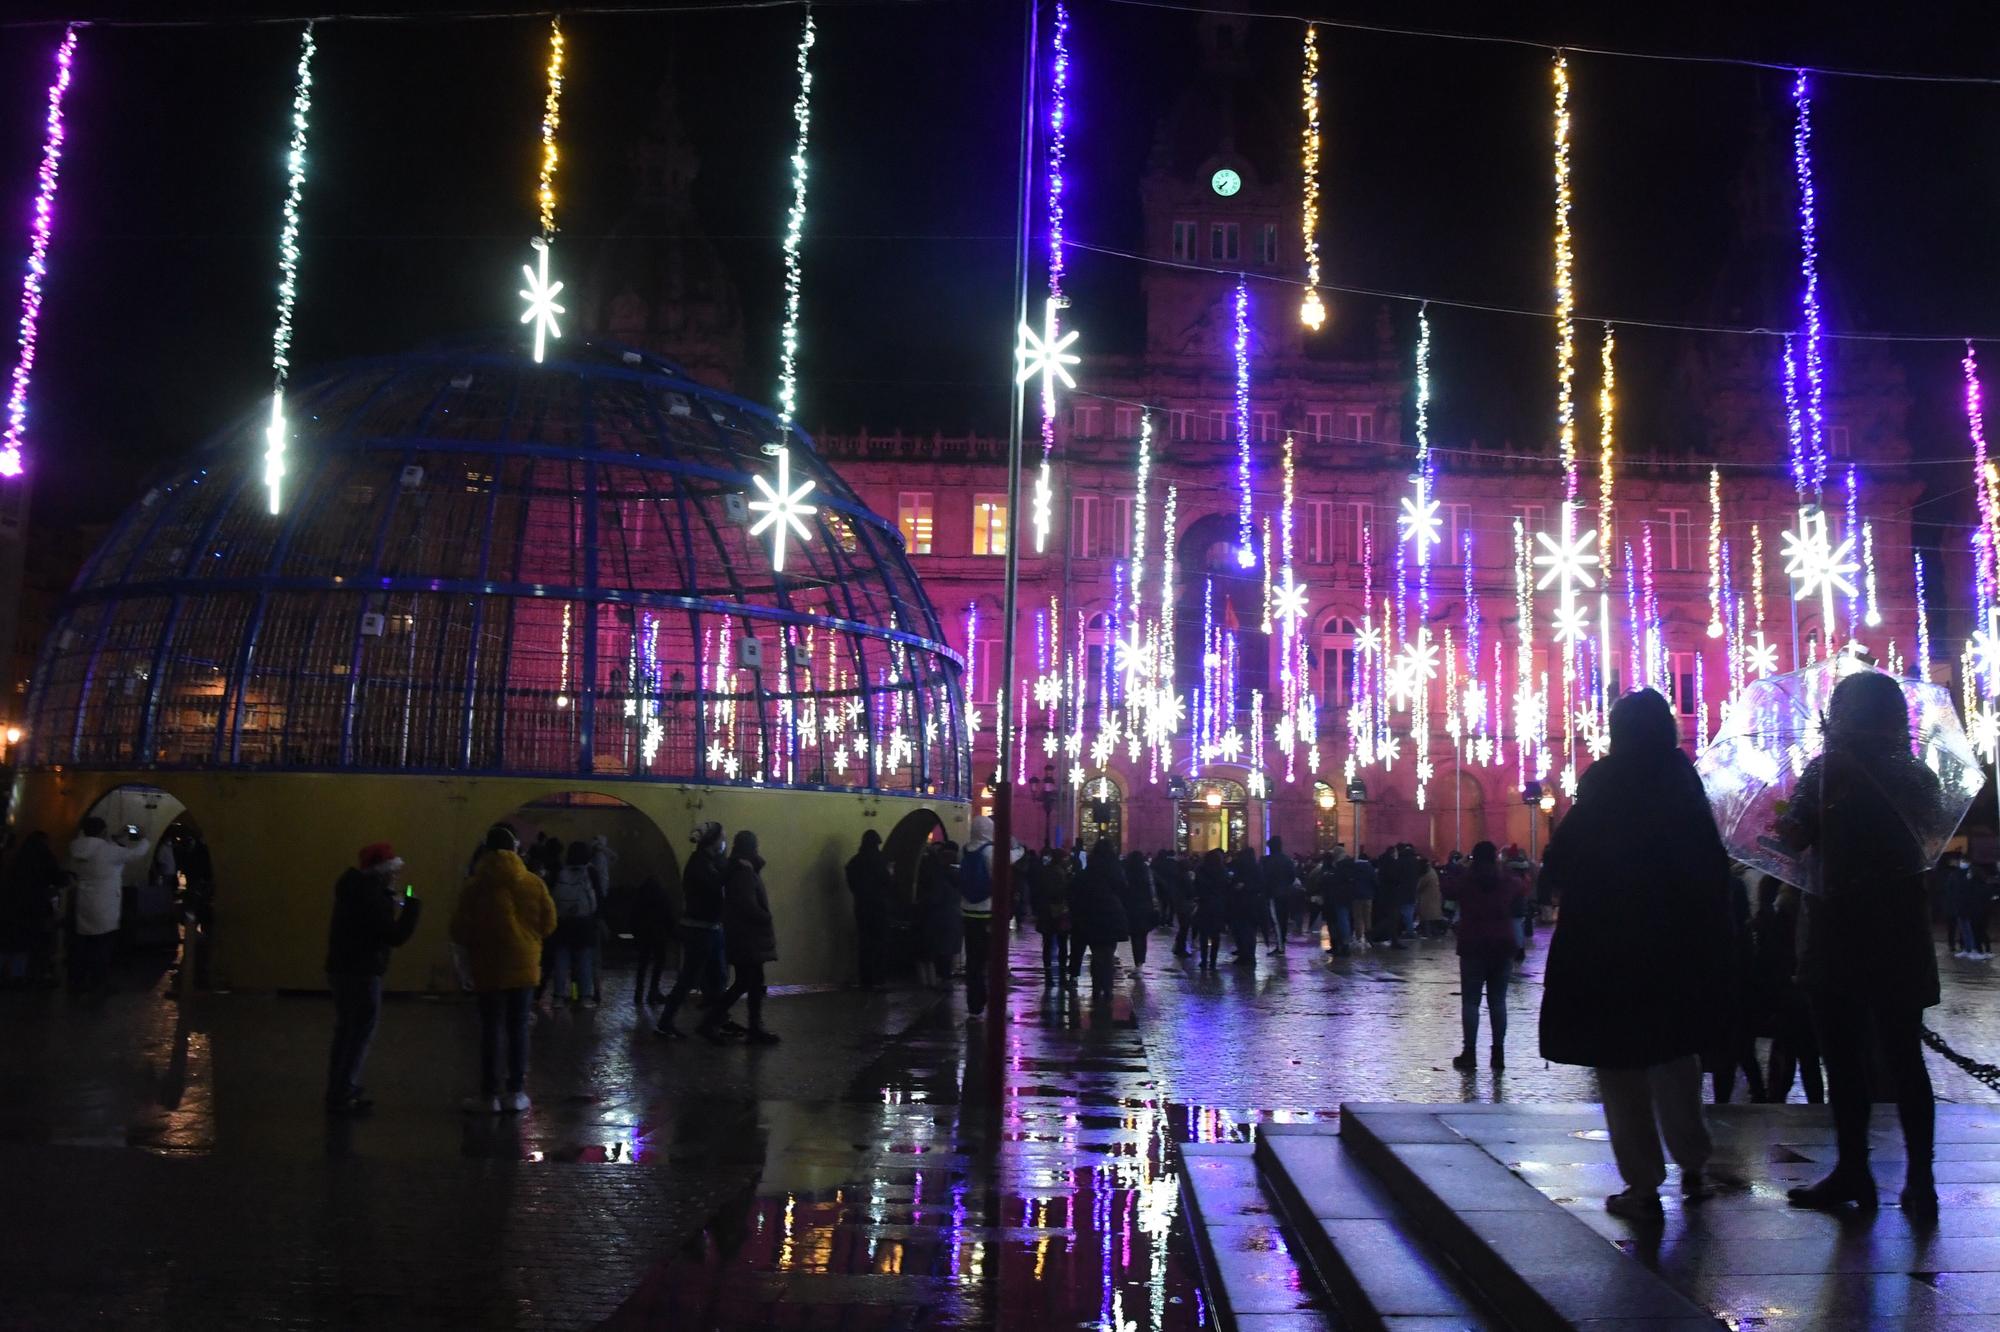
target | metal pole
x=1002, y=927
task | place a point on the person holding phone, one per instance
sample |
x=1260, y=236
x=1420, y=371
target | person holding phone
x=373, y=913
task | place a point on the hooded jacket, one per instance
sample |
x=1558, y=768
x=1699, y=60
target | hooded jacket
x=748, y=934
x=504, y=913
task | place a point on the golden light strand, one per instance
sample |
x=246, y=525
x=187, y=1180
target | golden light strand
x=545, y=192
x=1565, y=293
x=1312, y=311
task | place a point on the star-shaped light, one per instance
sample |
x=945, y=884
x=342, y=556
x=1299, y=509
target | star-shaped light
x=1258, y=786
x=1475, y=701
x=1598, y=743
x=1288, y=601
x=1569, y=781
x=1420, y=522
x=1986, y=649
x=1984, y=729
x=1567, y=556
x=714, y=754
x=1100, y=749
x=1401, y=684
x=1572, y=623
x=1050, y=744
x=1076, y=774
x=1231, y=745
x=1420, y=659
x=1424, y=772
x=1047, y=690
x=1369, y=641
x=730, y=766
x=1484, y=749
x=1073, y=744
x=1391, y=747
x=972, y=720
x=930, y=731
x=1760, y=657
x=840, y=760
x=540, y=294
x=782, y=508
x=1046, y=354
x=1817, y=564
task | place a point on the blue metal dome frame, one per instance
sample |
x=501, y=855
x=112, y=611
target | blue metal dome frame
x=489, y=567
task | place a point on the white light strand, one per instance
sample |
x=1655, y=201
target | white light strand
x=1312, y=310
x=288, y=273
x=540, y=293
x=795, y=226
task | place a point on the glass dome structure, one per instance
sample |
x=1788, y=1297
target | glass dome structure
x=491, y=567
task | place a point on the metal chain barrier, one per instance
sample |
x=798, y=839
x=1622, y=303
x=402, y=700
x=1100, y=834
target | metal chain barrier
x=1989, y=1074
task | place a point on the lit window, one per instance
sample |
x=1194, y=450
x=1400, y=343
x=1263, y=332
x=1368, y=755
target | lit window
x=1340, y=664
x=989, y=524
x=1184, y=241
x=913, y=518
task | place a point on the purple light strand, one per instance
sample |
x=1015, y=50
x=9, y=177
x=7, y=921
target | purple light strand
x=1815, y=453
x=1853, y=529
x=1982, y=485
x=1058, y=146
x=1923, y=622
x=38, y=261
x=1245, y=554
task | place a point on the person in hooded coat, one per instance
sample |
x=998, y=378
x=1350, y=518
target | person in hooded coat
x=1247, y=906
x=1867, y=961
x=574, y=944
x=750, y=938
x=1487, y=902
x=1138, y=900
x=1638, y=975
x=702, y=960
x=942, y=924
x=1097, y=906
x=872, y=887
x=504, y=913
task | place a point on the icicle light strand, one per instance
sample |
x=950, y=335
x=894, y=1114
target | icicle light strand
x=1246, y=552
x=1312, y=311
x=288, y=272
x=1815, y=418
x=1042, y=502
x=1565, y=289
x=1607, y=408
x=795, y=226
x=545, y=187
x=38, y=261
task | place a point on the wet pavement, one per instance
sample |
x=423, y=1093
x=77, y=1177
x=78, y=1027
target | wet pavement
x=176, y=1170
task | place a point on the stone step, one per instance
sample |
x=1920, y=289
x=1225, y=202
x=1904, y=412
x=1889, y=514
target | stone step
x=1363, y=1247
x=1250, y=1264
x=1534, y=1264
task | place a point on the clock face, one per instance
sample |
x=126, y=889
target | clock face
x=1225, y=182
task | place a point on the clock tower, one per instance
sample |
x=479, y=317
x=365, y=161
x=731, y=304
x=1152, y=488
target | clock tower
x=1221, y=192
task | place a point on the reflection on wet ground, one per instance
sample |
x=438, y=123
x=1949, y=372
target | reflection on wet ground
x=851, y=1177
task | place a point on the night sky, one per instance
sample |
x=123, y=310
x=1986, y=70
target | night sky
x=418, y=204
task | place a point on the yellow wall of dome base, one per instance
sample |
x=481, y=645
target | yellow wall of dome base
x=279, y=840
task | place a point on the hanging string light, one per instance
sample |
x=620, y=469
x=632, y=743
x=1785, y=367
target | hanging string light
x=1312, y=311
x=1923, y=621
x=1985, y=488
x=1715, y=552
x=1607, y=405
x=1246, y=551
x=795, y=226
x=38, y=261
x=1057, y=300
x=1853, y=526
x=541, y=293
x=288, y=271
x=1868, y=565
x=1815, y=417
x=1135, y=674
x=1565, y=290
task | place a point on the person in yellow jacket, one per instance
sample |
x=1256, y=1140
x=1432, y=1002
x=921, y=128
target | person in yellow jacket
x=503, y=915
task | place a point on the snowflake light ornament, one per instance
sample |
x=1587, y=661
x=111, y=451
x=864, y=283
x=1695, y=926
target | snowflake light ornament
x=1369, y=641
x=783, y=508
x=1569, y=558
x=1046, y=354
x=1288, y=601
x=1817, y=565
x=1047, y=690
x=1073, y=744
x=840, y=761
x=1076, y=774
x=714, y=754
x=1760, y=657
x=540, y=294
x=1231, y=745
x=1420, y=522
x=1419, y=659
x=1986, y=650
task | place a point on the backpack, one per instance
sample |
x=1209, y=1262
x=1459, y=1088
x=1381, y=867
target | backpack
x=975, y=875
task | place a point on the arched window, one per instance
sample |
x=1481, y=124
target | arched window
x=1339, y=664
x=1101, y=813
x=1096, y=644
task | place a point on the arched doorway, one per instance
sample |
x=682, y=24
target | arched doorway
x=1213, y=816
x=905, y=847
x=1326, y=817
x=639, y=852
x=1100, y=812
x=150, y=916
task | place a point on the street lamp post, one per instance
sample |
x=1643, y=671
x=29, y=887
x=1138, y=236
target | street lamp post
x=1044, y=791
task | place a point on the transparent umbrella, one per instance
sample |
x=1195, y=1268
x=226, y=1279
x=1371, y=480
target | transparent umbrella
x=1773, y=732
